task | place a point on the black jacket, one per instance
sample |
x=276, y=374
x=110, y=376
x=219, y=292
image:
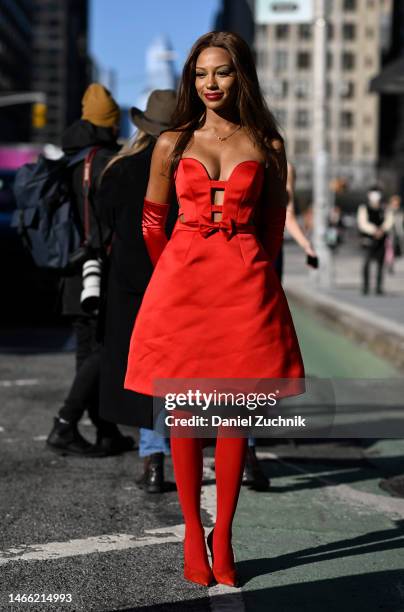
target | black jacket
x=120, y=201
x=80, y=135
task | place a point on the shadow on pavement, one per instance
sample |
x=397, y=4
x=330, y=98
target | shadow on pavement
x=382, y=591
x=376, y=541
x=314, y=480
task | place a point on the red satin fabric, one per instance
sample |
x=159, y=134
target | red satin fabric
x=153, y=224
x=214, y=307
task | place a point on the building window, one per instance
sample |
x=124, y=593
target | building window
x=305, y=31
x=348, y=61
x=345, y=148
x=330, y=30
x=368, y=61
x=347, y=89
x=261, y=57
x=302, y=146
x=303, y=60
x=281, y=116
x=281, y=31
x=302, y=118
x=349, y=5
x=277, y=88
x=329, y=60
x=301, y=89
x=369, y=32
x=349, y=31
x=328, y=89
x=280, y=60
x=346, y=119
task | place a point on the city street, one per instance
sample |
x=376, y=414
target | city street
x=324, y=537
x=155, y=159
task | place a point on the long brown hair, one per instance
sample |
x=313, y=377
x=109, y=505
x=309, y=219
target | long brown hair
x=137, y=143
x=253, y=111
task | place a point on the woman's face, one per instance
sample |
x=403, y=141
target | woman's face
x=395, y=202
x=215, y=78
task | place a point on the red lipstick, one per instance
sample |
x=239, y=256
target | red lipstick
x=213, y=96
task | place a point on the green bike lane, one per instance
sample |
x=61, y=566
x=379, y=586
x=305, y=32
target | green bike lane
x=325, y=536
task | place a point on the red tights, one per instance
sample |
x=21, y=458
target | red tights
x=187, y=454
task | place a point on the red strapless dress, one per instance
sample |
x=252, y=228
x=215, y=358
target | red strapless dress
x=214, y=307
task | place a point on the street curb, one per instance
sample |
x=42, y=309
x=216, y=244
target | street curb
x=383, y=337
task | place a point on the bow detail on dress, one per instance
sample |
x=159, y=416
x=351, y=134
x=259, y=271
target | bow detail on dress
x=227, y=226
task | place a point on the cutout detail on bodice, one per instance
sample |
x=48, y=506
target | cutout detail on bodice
x=216, y=208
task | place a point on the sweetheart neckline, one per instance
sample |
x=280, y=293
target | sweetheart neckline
x=245, y=161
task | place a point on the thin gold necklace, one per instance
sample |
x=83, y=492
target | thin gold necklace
x=223, y=138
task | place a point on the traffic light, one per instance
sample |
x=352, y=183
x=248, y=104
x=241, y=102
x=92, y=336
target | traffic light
x=39, y=115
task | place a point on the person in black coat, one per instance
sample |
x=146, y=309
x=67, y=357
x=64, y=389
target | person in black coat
x=120, y=201
x=98, y=127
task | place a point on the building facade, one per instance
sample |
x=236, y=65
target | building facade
x=61, y=66
x=389, y=84
x=15, y=67
x=284, y=54
x=236, y=16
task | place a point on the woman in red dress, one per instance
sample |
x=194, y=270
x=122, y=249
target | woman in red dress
x=214, y=307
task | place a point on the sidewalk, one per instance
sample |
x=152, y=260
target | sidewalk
x=377, y=321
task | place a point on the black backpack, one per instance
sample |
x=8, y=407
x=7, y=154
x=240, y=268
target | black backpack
x=45, y=217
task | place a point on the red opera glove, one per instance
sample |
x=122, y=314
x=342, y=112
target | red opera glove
x=274, y=201
x=153, y=228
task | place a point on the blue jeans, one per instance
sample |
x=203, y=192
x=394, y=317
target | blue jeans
x=152, y=442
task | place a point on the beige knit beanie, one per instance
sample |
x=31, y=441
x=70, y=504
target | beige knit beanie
x=99, y=107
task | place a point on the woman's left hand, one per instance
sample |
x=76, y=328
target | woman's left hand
x=309, y=250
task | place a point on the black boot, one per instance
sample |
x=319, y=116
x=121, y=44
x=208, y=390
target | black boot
x=152, y=479
x=115, y=444
x=253, y=476
x=66, y=439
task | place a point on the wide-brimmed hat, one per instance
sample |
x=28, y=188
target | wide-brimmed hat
x=159, y=109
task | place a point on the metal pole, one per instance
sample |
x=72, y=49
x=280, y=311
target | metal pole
x=321, y=194
x=22, y=98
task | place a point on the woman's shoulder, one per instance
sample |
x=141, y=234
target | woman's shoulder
x=166, y=142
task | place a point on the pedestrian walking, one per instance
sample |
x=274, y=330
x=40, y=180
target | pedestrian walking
x=120, y=202
x=97, y=129
x=374, y=223
x=335, y=228
x=394, y=240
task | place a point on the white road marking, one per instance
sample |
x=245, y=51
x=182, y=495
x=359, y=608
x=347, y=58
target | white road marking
x=39, y=438
x=85, y=546
x=367, y=501
x=233, y=602
x=22, y=382
x=1, y=429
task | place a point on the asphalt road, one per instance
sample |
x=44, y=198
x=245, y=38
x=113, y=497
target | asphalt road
x=325, y=537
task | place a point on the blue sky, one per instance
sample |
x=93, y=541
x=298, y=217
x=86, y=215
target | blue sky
x=121, y=31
